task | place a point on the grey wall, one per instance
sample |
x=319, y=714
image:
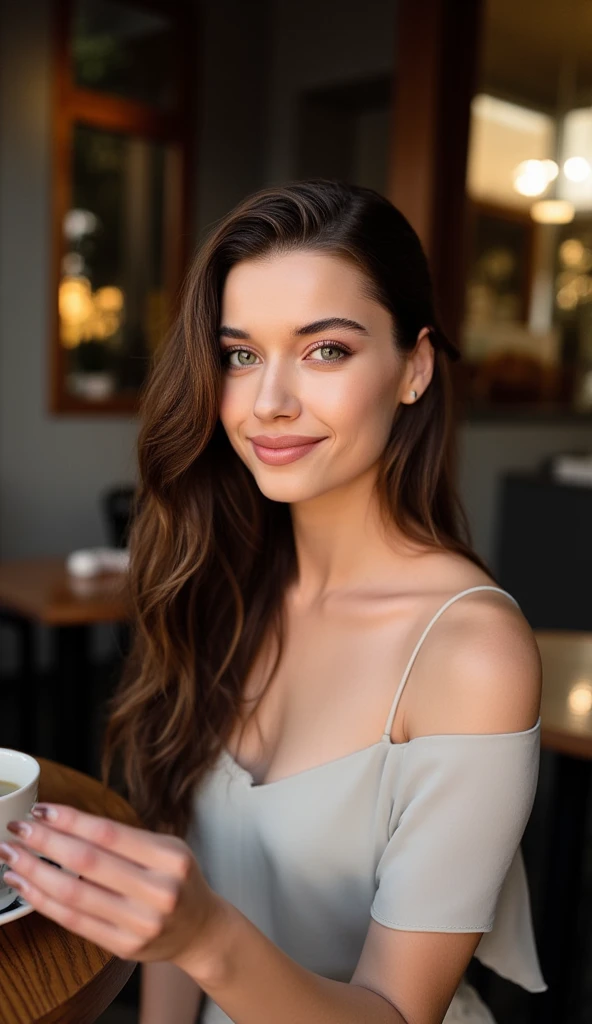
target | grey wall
x=52, y=469
x=321, y=44
x=486, y=451
x=233, y=92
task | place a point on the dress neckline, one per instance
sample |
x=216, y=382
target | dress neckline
x=384, y=741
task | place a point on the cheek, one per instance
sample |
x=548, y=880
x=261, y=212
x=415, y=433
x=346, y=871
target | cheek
x=234, y=404
x=360, y=408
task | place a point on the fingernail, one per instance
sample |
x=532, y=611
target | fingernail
x=45, y=812
x=8, y=854
x=20, y=828
x=16, y=882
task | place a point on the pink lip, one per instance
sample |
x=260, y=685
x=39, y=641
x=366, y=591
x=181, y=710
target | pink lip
x=283, y=440
x=278, y=451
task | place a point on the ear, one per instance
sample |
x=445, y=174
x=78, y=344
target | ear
x=420, y=366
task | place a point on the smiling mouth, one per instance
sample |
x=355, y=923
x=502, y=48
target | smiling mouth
x=282, y=450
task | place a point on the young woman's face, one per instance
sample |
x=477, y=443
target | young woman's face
x=310, y=363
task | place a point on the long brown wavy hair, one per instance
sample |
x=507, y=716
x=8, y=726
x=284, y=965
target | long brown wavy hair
x=210, y=556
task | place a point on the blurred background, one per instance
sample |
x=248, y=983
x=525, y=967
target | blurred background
x=127, y=129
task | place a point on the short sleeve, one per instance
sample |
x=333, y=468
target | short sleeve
x=461, y=805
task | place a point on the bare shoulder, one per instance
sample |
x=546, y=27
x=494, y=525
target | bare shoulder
x=478, y=671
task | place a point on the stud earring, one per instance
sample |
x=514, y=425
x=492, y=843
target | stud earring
x=414, y=395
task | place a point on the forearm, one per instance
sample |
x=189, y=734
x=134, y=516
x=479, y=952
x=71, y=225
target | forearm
x=167, y=994
x=255, y=982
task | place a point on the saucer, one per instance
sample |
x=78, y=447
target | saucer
x=20, y=907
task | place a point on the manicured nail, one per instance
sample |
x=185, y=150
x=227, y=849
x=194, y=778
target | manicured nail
x=20, y=828
x=16, y=882
x=45, y=812
x=8, y=854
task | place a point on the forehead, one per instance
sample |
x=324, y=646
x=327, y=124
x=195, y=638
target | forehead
x=296, y=287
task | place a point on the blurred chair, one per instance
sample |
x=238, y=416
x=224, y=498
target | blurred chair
x=118, y=509
x=544, y=549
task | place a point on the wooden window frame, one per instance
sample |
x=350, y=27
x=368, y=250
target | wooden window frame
x=436, y=60
x=73, y=105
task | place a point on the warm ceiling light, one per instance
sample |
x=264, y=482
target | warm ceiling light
x=531, y=177
x=580, y=698
x=576, y=169
x=552, y=211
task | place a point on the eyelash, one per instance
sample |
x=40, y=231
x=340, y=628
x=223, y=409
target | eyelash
x=227, y=352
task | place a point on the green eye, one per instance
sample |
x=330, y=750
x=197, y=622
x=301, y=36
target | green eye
x=243, y=357
x=330, y=353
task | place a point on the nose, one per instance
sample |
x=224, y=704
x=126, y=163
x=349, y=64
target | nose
x=276, y=396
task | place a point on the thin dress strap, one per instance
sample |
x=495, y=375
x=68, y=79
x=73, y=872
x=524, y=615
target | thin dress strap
x=451, y=600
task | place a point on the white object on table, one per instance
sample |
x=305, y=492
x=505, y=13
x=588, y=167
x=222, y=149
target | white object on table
x=93, y=561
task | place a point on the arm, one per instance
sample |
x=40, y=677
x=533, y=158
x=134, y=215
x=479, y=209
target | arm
x=489, y=683
x=255, y=982
x=167, y=994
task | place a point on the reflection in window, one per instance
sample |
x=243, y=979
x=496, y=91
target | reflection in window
x=112, y=302
x=123, y=133
x=528, y=304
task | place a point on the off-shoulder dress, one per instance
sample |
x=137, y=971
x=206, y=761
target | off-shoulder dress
x=422, y=836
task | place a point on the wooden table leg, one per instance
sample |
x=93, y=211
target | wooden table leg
x=73, y=706
x=559, y=953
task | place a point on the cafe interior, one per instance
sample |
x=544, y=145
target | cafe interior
x=128, y=128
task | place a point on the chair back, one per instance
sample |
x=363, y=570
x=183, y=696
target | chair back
x=118, y=509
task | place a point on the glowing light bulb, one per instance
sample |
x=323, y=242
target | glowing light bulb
x=576, y=169
x=580, y=698
x=531, y=178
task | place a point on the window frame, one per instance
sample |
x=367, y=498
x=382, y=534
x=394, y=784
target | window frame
x=73, y=105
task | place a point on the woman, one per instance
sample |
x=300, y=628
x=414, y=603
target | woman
x=345, y=831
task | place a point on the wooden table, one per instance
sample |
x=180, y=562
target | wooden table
x=47, y=974
x=41, y=592
x=566, y=729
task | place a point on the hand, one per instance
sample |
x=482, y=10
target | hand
x=141, y=896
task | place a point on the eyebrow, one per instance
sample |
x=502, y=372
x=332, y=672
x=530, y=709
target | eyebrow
x=329, y=324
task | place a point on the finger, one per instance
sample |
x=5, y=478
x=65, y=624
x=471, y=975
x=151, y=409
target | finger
x=106, y=869
x=110, y=937
x=161, y=853
x=84, y=898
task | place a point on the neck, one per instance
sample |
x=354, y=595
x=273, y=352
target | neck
x=342, y=543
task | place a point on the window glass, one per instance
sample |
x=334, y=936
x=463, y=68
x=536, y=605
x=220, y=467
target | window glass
x=112, y=298
x=527, y=329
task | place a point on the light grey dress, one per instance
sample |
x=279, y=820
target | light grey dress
x=421, y=836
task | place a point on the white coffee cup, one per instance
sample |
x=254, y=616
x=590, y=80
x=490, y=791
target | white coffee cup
x=23, y=771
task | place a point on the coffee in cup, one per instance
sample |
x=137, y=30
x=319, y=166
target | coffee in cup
x=19, y=785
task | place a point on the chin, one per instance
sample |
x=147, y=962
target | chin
x=289, y=491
